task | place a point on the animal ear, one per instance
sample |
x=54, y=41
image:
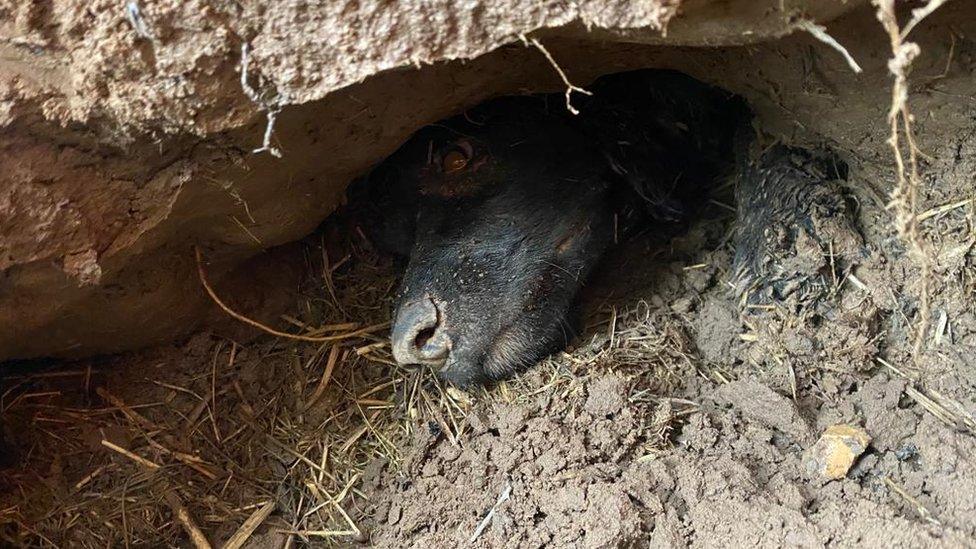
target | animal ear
x=386, y=209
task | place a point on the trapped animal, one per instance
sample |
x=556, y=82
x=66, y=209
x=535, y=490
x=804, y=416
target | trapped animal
x=503, y=212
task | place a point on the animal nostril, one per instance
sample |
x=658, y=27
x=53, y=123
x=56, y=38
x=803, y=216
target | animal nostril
x=418, y=336
x=423, y=336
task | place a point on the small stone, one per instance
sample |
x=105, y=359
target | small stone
x=833, y=455
x=394, y=514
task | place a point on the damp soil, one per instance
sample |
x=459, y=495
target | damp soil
x=674, y=420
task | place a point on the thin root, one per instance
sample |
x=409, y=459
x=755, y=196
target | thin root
x=570, y=87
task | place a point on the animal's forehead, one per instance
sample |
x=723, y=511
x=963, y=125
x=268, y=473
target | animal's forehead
x=524, y=150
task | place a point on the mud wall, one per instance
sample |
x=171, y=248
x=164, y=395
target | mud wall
x=128, y=134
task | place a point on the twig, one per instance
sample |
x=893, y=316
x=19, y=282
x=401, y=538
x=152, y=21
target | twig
x=138, y=459
x=254, y=323
x=89, y=477
x=570, y=87
x=507, y=493
x=820, y=33
x=183, y=515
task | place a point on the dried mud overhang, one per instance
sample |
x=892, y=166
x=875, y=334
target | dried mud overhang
x=128, y=130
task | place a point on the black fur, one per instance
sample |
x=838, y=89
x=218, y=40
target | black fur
x=502, y=246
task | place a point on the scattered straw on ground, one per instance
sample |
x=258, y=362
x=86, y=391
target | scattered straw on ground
x=216, y=442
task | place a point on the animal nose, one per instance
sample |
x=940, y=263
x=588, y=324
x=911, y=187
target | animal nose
x=418, y=334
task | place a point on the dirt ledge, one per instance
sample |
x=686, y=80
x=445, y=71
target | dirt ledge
x=126, y=136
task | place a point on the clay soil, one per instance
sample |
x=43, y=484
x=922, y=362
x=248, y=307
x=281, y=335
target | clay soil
x=674, y=421
x=677, y=418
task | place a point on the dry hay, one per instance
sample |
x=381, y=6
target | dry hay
x=217, y=442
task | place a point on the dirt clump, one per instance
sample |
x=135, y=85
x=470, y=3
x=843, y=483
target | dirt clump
x=568, y=488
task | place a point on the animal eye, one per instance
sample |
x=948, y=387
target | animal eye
x=456, y=158
x=454, y=161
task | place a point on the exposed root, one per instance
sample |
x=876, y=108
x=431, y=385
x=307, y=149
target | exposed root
x=904, y=197
x=570, y=87
x=918, y=14
x=820, y=33
x=271, y=108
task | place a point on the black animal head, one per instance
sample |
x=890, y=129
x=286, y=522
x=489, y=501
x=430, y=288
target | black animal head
x=503, y=213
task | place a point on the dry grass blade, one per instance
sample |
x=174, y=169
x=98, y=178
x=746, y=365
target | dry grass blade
x=136, y=458
x=507, y=493
x=919, y=508
x=945, y=409
x=202, y=273
x=326, y=376
x=133, y=416
x=240, y=537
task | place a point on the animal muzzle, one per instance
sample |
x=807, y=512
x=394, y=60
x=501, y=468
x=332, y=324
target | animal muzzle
x=419, y=335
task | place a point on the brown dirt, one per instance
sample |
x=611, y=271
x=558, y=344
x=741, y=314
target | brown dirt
x=715, y=461
x=661, y=426
x=579, y=477
x=677, y=420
